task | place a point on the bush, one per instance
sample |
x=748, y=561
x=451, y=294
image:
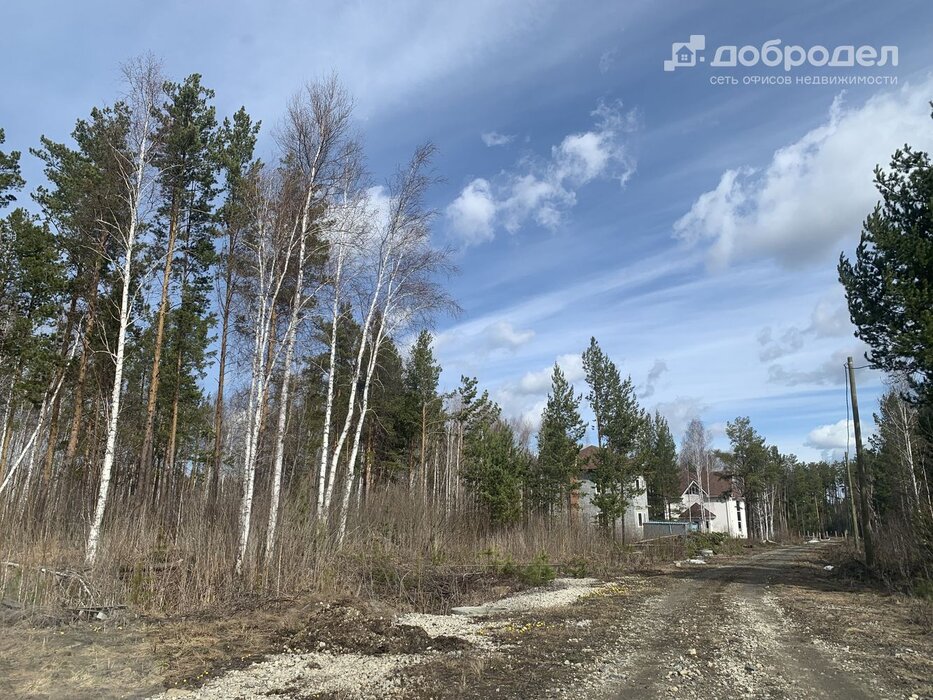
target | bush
x=538, y=572
x=716, y=541
x=575, y=568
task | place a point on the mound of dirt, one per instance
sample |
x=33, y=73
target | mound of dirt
x=340, y=627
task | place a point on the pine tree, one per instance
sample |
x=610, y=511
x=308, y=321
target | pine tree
x=559, y=442
x=662, y=473
x=422, y=374
x=11, y=178
x=31, y=283
x=750, y=461
x=619, y=425
x=237, y=142
x=187, y=165
x=495, y=467
x=84, y=205
x=888, y=287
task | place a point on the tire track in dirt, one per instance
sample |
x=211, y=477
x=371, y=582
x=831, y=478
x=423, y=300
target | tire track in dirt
x=719, y=632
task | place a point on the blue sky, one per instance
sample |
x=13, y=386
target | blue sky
x=692, y=228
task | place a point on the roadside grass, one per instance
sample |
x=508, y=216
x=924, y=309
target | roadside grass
x=397, y=549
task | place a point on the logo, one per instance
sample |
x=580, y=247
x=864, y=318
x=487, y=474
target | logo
x=775, y=54
x=684, y=53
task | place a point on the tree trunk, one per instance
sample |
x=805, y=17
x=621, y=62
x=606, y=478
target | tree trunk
x=329, y=403
x=146, y=82
x=145, y=458
x=214, y=476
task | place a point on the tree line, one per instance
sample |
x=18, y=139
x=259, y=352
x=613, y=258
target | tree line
x=188, y=328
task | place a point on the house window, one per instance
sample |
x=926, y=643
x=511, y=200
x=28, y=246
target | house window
x=640, y=521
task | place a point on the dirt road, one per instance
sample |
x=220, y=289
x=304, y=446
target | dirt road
x=771, y=625
x=724, y=631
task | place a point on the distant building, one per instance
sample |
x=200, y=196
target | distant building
x=636, y=514
x=714, y=507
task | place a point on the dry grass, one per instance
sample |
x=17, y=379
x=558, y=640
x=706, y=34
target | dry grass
x=396, y=548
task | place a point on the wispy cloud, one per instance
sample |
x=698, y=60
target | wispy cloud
x=828, y=372
x=494, y=138
x=541, y=190
x=654, y=374
x=607, y=60
x=503, y=335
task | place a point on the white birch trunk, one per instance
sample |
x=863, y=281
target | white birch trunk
x=328, y=406
x=351, y=401
x=290, y=335
x=351, y=463
x=39, y=424
x=146, y=83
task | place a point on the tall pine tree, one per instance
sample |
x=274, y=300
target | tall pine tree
x=559, y=442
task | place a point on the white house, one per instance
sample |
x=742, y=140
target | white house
x=716, y=505
x=636, y=514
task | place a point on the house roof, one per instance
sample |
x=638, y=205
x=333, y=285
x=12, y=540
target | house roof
x=697, y=512
x=586, y=459
x=721, y=485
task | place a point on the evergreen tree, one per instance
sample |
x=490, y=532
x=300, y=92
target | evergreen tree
x=889, y=286
x=84, y=205
x=753, y=465
x=662, y=473
x=422, y=374
x=495, y=466
x=236, y=145
x=619, y=424
x=31, y=285
x=187, y=163
x=559, y=442
x=11, y=178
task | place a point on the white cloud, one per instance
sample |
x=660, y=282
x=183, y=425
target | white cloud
x=494, y=138
x=541, y=190
x=679, y=412
x=829, y=437
x=472, y=213
x=526, y=398
x=815, y=192
x=503, y=335
x=607, y=60
x=540, y=382
x=830, y=319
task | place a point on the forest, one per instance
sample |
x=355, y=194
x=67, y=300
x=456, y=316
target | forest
x=217, y=375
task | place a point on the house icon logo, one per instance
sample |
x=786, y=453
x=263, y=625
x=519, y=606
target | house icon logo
x=685, y=54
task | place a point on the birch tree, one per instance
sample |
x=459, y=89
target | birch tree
x=144, y=83
x=315, y=143
x=395, y=284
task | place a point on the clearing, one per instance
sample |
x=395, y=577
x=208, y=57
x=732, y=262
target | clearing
x=774, y=624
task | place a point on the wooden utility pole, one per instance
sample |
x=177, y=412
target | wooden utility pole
x=862, y=475
x=851, y=493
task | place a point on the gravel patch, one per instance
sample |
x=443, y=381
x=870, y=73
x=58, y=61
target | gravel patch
x=458, y=626
x=561, y=591
x=351, y=675
x=377, y=675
